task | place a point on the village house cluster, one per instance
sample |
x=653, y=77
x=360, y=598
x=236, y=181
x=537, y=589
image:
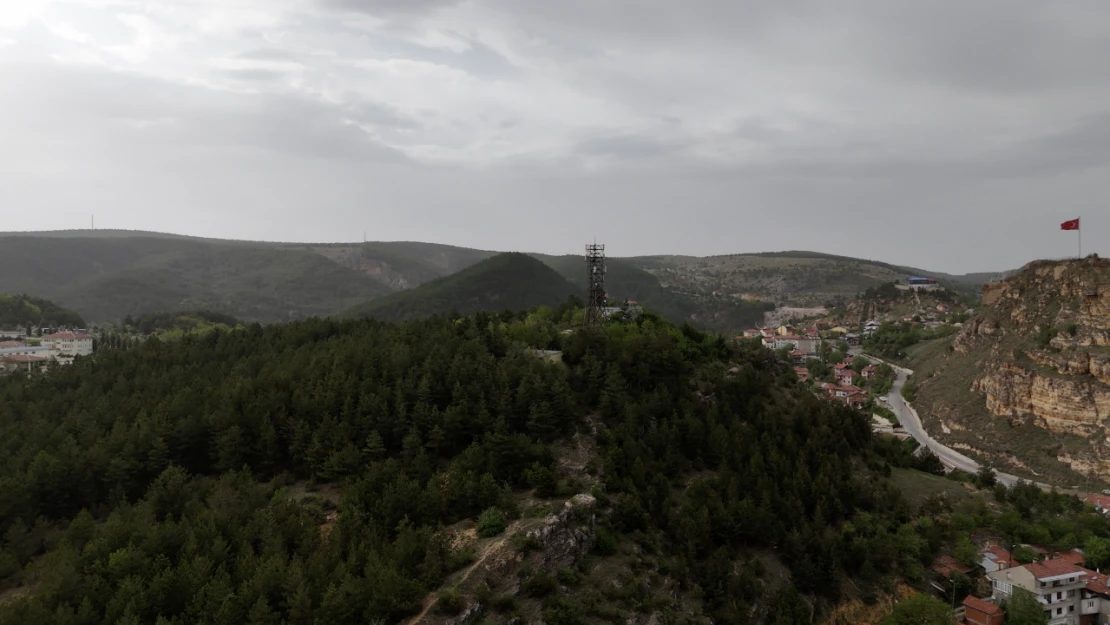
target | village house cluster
x=31, y=353
x=1070, y=593
x=808, y=344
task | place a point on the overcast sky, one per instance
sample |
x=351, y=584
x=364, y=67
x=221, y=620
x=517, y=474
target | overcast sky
x=954, y=136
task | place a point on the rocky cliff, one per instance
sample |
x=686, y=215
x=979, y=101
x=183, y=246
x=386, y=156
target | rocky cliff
x=1037, y=353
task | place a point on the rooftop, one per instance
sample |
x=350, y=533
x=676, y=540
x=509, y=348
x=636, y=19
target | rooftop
x=975, y=603
x=1096, y=582
x=1054, y=568
x=946, y=564
x=22, y=359
x=63, y=336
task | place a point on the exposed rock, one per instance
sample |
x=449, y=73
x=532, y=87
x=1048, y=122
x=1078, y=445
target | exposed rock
x=1064, y=385
x=566, y=535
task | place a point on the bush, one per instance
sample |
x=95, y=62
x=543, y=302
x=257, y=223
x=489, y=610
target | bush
x=450, y=602
x=1071, y=329
x=539, y=585
x=504, y=604
x=562, y=613
x=1044, y=335
x=569, y=577
x=606, y=544
x=491, y=523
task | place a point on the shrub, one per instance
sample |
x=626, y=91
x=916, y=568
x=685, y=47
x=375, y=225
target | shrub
x=450, y=602
x=491, y=523
x=539, y=585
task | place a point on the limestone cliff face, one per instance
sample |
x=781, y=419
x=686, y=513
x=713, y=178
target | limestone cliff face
x=1041, y=345
x=1076, y=405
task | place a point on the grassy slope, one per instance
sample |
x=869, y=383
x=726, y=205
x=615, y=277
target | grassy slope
x=108, y=278
x=506, y=281
x=797, y=277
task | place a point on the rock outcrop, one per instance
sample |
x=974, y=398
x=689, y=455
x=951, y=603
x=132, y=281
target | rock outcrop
x=1040, y=350
x=566, y=535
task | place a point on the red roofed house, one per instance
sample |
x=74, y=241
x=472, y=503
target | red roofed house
x=799, y=357
x=945, y=565
x=979, y=612
x=1096, y=599
x=995, y=558
x=803, y=374
x=9, y=344
x=1059, y=585
x=751, y=334
x=868, y=372
x=844, y=374
x=1100, y=502
x=856, y=400
x=22, y=362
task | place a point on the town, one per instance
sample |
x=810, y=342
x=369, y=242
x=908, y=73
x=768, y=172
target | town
x=32, y=351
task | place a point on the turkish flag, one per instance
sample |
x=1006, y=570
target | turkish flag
x=1070, y=225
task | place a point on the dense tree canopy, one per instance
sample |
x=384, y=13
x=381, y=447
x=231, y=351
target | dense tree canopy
x=22, y=312
x=164, y=484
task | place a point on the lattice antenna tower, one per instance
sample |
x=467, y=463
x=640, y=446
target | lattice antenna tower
x=595, y=285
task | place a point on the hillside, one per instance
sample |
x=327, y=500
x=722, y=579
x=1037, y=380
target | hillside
x=626, y=281
x=796, y=279
x=402, y=264
x=510, y=281
x=181, y=322
x=19, y=312
x=336, y=472
x=1026, y=383
x=108, y=278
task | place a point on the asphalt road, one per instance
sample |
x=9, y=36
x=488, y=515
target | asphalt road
x=911, y=423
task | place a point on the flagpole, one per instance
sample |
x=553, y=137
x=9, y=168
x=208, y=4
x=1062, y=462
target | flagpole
x=1079, y=233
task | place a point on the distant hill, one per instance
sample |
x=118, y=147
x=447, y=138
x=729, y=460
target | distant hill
x=108, y=278
x=626, y=281
x=794, y=278
x=510, y=281
x=402, y=264
x=22, y=311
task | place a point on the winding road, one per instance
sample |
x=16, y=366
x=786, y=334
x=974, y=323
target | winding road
x=911, y=423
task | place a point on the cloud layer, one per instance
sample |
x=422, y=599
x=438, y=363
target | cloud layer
x=950, y=135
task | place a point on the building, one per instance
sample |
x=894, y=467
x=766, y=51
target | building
x=803, y=374
x=1100, y=502
x=751, y=334
x=856, y=400
x=69, y=344
x=1057, y=584
x=979, y=612
x=844, y=373
x=922, y=284
x=946, y=565
x=799, y=357
x=41, y=351
x=21, y=362
x=995, y=558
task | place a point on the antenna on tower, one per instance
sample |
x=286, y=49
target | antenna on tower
x=595, y=285
x=93, y=221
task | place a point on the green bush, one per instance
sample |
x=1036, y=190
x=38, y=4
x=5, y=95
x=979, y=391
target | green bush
x=539, y=585
x=450, y=602
x=491, y=523
x=1044, y=335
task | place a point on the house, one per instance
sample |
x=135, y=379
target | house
x=868, y=372
x=1095, y=608
x=69, y=344
x=769, y=342
x=995, y=558
x=785, y=330
x=20, y=362
x=856, y=400
x=1100, y=502
x=843, y=391
x=803, y=374
x=852, y=338
x=946, y=565
x=751, y=334
x=871, y=327
x=1058, y=585
x=799, y=357
x=979, y=612
x=844, y=373
x=767, y=333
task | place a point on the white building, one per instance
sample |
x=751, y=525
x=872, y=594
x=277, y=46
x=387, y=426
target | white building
x=69, y=344
x=1060, y=587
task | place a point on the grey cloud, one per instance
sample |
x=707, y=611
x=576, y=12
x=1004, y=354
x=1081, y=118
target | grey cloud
x=267, y=54
x=254, y=74
x=627, y=146
x=117, y=106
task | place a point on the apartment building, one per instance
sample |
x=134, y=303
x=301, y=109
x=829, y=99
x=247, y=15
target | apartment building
x=1058, y=584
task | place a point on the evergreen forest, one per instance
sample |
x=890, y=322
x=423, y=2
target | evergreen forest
x=162, y=484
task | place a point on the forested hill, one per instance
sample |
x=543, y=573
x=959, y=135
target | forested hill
x=164, y=484
x=510, y=281
x=22, y=312
x=106, y=279
x=180, y=322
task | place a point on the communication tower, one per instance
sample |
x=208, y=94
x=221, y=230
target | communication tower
x=595, y=285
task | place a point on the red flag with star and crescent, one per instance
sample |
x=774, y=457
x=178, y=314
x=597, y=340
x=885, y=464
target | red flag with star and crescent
x=1070, y=225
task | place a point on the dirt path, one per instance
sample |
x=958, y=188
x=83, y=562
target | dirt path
x=460, y=577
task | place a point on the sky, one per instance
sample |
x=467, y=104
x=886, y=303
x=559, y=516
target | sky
x=951, y=136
